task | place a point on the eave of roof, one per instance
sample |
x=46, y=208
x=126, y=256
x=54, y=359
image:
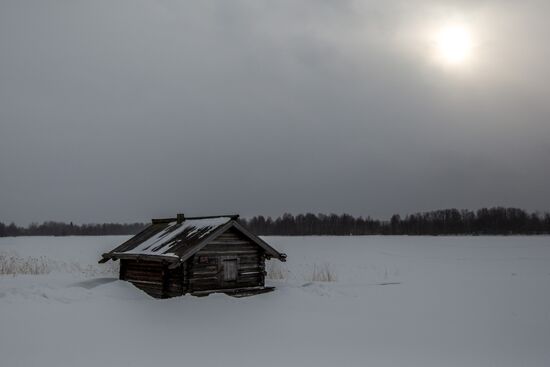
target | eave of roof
x=170, y=241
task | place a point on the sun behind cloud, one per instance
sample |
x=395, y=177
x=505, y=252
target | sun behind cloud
x=454, y=45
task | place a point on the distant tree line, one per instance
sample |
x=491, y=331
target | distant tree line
x=503, y=221
x=70, y=229
x=492, y=221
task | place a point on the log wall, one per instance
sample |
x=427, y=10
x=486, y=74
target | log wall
x=203, y=271
x=146, y=275
x=205, y=268
x=153, y=277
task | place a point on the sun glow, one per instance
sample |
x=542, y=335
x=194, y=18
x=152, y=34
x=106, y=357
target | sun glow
x=454, y=45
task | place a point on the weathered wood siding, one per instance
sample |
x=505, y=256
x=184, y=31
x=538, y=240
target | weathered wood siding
x=174, y=282
x=153, y=277
x=205, y=270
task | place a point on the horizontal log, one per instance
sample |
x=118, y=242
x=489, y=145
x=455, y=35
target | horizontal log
x=223, y=243
x=232, y=243
x=142, y=262
x=249, y=273
x=230, y=233
x=197, y=267
x=229, y=245
x=250, y=284
x=250, y=257
x=248, y=277
x=177, y=270
x=204, y=287
x=149, y=288
x=201, y=267
x=248, y=263
x=175, y=275
x=229, y=252
x=174, y=279
x=222, y=240
x=250, y=268
x=203, y=279
x=145, y=269
x=145, y=283
x=200, y=274
x=143, y=277
x=143, y=274
x=203, y=283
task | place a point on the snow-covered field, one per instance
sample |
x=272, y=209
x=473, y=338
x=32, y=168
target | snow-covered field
x=397, y=301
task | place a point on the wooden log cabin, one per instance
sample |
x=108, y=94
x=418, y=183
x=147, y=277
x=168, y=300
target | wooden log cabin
x=197, y=255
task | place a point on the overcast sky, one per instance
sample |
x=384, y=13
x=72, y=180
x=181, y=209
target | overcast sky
x=127, y=110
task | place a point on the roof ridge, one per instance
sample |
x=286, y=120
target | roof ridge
x=163, y=220
x=174, y=219
x=232, y=216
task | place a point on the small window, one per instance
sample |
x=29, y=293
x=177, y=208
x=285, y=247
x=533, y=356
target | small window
x=203, y=259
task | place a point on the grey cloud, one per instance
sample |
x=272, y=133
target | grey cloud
x=127, y=110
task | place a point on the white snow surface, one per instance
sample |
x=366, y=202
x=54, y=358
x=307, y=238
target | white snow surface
x=397, y=301
x=161, y=242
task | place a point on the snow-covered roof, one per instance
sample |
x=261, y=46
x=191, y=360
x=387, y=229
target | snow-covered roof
x=176, y=239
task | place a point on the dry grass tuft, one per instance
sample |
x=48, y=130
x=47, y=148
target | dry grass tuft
x=322, y=273
x=13, y=264
x=276, y=271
